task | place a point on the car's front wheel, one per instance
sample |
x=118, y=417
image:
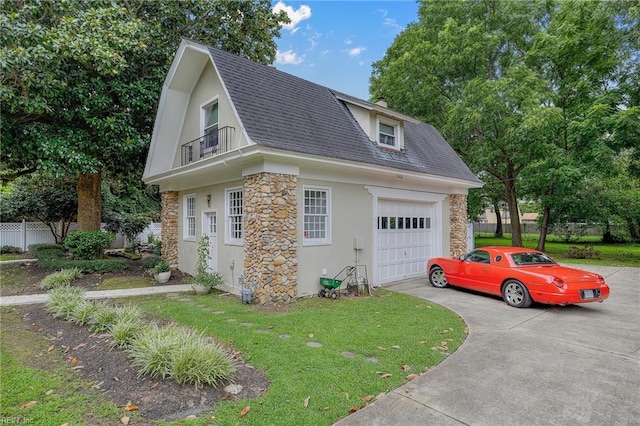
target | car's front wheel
x=516, y=294
x=437, y=277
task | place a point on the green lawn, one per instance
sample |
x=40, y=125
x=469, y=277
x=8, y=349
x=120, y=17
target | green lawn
x=388, y=336
x=610, y=254
x=38, y=388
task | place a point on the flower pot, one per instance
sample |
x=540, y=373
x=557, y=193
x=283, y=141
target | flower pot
x=201, y=289
x=162, y=277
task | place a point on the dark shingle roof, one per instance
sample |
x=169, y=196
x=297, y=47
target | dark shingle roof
x=285, y=112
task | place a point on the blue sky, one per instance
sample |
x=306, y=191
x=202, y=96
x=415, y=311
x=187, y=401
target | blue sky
x=334, y=43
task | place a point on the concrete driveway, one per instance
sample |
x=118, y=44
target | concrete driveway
x=573, y=365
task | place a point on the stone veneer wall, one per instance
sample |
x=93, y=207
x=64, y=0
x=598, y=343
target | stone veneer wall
x=458, y=222
x=169, y=200
x=270, y=236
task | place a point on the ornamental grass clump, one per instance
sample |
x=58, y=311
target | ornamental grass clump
x=127, y=326
x=60, y=279
x=199, y=361
x=102, y=317
x=83, y=312
x=153, y=352
x=63, y=301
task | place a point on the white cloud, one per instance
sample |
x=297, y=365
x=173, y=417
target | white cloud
x=314, y=40
x=389, y=22
x=289, y=57
x=356, y=51
x=296, y=15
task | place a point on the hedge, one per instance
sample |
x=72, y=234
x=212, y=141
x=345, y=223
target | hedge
x=51, y=256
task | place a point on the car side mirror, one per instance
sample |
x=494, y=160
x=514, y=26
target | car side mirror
x=461, y=257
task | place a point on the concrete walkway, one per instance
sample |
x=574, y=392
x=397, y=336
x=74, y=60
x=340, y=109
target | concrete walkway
x=30, y=299
x=573, y=365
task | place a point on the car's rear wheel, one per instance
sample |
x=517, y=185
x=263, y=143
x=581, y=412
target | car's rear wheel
x=437, y=277
x=516, y=294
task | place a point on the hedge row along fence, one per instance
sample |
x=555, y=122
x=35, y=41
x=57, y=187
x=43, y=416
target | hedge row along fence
x=52, y=256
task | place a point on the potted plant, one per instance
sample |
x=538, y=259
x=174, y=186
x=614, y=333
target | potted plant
x=161, y=272
x=203, y=281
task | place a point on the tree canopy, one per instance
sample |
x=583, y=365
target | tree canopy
x=81, y=80
x=542, y=96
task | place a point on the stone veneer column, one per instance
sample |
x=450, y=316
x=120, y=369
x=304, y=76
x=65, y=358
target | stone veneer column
x=458, y=224
x=270, y=236
x=169, y=200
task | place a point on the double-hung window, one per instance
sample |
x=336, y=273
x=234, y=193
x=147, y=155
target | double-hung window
x=210, y=140
x=189, y=210
x=389, y=133
x=317, y=208
x=234, y=210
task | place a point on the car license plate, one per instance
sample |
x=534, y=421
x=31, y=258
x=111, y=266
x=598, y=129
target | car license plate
x=587, y=294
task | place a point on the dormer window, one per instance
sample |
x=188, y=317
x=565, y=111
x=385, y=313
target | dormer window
x=389, y=133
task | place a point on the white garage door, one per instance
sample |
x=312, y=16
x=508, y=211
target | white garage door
x=404, y=239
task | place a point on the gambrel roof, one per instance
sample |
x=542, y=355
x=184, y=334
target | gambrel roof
x=285, y=112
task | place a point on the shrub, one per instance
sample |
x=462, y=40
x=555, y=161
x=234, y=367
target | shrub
x=586, y=252
x=10, y=250
x=59, y=279
x=98, y=266
x=63, y=301
x=150, y=262
x=199, y=362
x=44, y=249
x=88, y=245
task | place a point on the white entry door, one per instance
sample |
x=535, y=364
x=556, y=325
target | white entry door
x=211, y=229
x=404, y=239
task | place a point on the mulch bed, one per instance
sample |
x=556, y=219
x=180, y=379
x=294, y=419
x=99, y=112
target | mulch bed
x=109, y=371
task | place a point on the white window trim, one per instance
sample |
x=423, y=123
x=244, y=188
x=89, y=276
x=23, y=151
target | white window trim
x=399, y=134
x=317, y=241
x=203, y=112
x=185, y=222
x=227, y=228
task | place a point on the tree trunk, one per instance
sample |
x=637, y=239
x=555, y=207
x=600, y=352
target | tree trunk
x=634, y=230
x=89, y=202
x=544, y=229
x=499, y=232
x=514, y=214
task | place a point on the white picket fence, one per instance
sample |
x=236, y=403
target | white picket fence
x=23, y=234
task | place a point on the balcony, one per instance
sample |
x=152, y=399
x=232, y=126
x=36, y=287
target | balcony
x=207, y=146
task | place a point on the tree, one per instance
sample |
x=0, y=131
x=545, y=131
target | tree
x=540, y=91
x=53, y=202
x=461, y=68
x=580, y=55
x=81, y=80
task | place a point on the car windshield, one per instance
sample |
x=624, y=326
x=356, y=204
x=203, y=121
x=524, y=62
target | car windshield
x=531, y=259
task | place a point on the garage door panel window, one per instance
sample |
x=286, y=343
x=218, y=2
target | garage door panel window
x=317, y=219
x=393, y=222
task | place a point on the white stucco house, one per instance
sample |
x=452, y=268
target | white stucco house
x=288, y=178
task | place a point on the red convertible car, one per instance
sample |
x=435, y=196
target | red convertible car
x=520, y=275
